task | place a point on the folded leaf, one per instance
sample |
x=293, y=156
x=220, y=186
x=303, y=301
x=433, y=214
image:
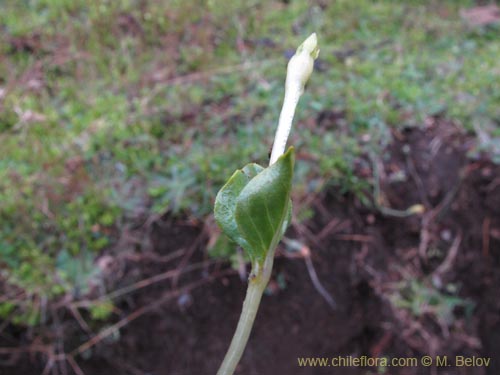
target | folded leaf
x=253, y=208
x=263, y=207
x=225, y=202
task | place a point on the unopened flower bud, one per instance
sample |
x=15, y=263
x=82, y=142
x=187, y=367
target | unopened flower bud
x=298, y=72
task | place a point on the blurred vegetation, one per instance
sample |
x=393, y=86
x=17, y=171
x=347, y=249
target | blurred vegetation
x=420, y=299
x=114, y=111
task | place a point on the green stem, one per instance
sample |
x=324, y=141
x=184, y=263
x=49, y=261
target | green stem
x=261, y=273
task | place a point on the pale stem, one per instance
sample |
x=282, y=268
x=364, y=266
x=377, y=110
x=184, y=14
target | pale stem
x=292, y=95
x=257, y=284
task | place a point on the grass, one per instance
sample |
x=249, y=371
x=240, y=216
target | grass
x=111, y=112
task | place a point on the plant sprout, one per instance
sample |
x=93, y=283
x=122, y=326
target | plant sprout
x=254, y=207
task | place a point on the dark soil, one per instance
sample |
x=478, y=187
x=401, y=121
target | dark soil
x=364, y=258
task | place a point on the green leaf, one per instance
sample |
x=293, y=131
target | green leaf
x=101, y=310
x=253, y=208
x=288, y=219
x=225, y=202
x=263, y=207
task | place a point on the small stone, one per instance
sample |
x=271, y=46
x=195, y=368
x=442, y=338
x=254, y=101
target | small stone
x=446, y=235
x=184, y=301
x=370, y=219
x=486, y=172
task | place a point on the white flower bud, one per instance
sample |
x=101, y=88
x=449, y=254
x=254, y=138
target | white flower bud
x=301, y=64
x=299, y=70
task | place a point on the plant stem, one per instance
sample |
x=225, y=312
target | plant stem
x=292, y=96
x=299, y=69
x=261, y=273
